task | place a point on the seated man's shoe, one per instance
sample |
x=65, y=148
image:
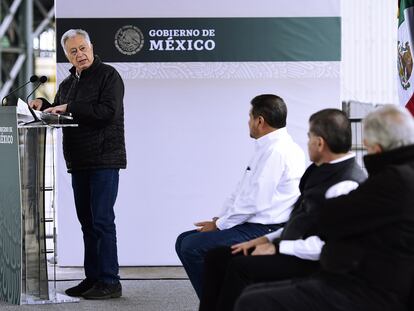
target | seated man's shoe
x=81, y=288
x=103, y=290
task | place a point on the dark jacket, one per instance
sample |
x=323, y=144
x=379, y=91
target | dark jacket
x=313, y=185
x=369, y=233
x=95, y=100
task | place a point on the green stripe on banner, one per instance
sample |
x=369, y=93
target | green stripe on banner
x=210, y=39
x=404, y=4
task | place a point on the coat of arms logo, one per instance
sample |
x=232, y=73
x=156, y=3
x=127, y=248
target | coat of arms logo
x=129, y=40
x=405, y=64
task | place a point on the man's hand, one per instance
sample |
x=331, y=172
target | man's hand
x=246, y=246
x=36, y=104
x=57, y=109
x=265, y=249
x=206, y=226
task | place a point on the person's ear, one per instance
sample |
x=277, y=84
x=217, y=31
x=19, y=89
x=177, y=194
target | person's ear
x=320, y=143
x=377, y=148
x=374, y=148
x=261, y=120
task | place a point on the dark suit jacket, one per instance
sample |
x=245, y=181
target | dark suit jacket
x=369, y=233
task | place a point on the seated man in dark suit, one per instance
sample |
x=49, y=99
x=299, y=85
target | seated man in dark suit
x=295, y=249
x=367, y=260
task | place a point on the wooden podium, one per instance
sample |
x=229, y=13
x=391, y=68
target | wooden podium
x=23, y=266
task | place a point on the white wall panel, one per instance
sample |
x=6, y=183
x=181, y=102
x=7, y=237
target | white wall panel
x=369, y=51
x=186, y=127
x=196, y=8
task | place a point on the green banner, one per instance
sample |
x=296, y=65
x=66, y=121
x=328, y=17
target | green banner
x=278, y=39
x=403, y=5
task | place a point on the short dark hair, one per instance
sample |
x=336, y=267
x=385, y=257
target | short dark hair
x=272, y=108
x=334, y=127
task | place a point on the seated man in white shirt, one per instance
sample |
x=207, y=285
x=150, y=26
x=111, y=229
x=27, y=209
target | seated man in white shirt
x=263, y=199
x=293, y=251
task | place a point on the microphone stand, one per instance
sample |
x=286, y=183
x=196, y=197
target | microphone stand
x=33, y=78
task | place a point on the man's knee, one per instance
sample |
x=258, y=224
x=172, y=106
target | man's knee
x=186, y=243
x=104, y=226
x=191, y=247
x=178, y=243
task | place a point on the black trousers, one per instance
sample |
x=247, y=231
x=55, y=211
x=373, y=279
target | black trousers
x=226, y=275
x=316, y=293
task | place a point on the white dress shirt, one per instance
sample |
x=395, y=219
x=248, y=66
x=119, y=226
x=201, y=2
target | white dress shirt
x=311, y=247
x=270, y=184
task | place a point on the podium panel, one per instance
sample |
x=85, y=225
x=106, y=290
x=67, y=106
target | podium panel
x=32, y=143
x=23, y=264
x=10, y=208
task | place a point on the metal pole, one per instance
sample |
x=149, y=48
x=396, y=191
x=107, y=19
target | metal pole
x=44, y=23
x=29, y=44
x=9, y=17
x=13, y=74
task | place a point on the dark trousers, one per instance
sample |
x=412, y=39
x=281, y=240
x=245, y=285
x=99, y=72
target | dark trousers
x=317, y=294
x=227, y=275
x=95, y=193
x=192, y=246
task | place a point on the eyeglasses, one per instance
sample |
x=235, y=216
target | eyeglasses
x=74, y=51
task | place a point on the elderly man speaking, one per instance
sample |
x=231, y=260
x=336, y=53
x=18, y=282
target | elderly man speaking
x=94, y=152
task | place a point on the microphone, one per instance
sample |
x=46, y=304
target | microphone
x=42, y=80
x=33, y=78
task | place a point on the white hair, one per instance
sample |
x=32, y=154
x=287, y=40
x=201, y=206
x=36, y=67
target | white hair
x=72, y=33
x=389, y=126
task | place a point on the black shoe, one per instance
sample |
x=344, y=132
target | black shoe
x=103, y=290
x=81, y=288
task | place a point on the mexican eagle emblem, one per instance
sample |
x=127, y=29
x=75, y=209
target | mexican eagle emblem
x=405, y=63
